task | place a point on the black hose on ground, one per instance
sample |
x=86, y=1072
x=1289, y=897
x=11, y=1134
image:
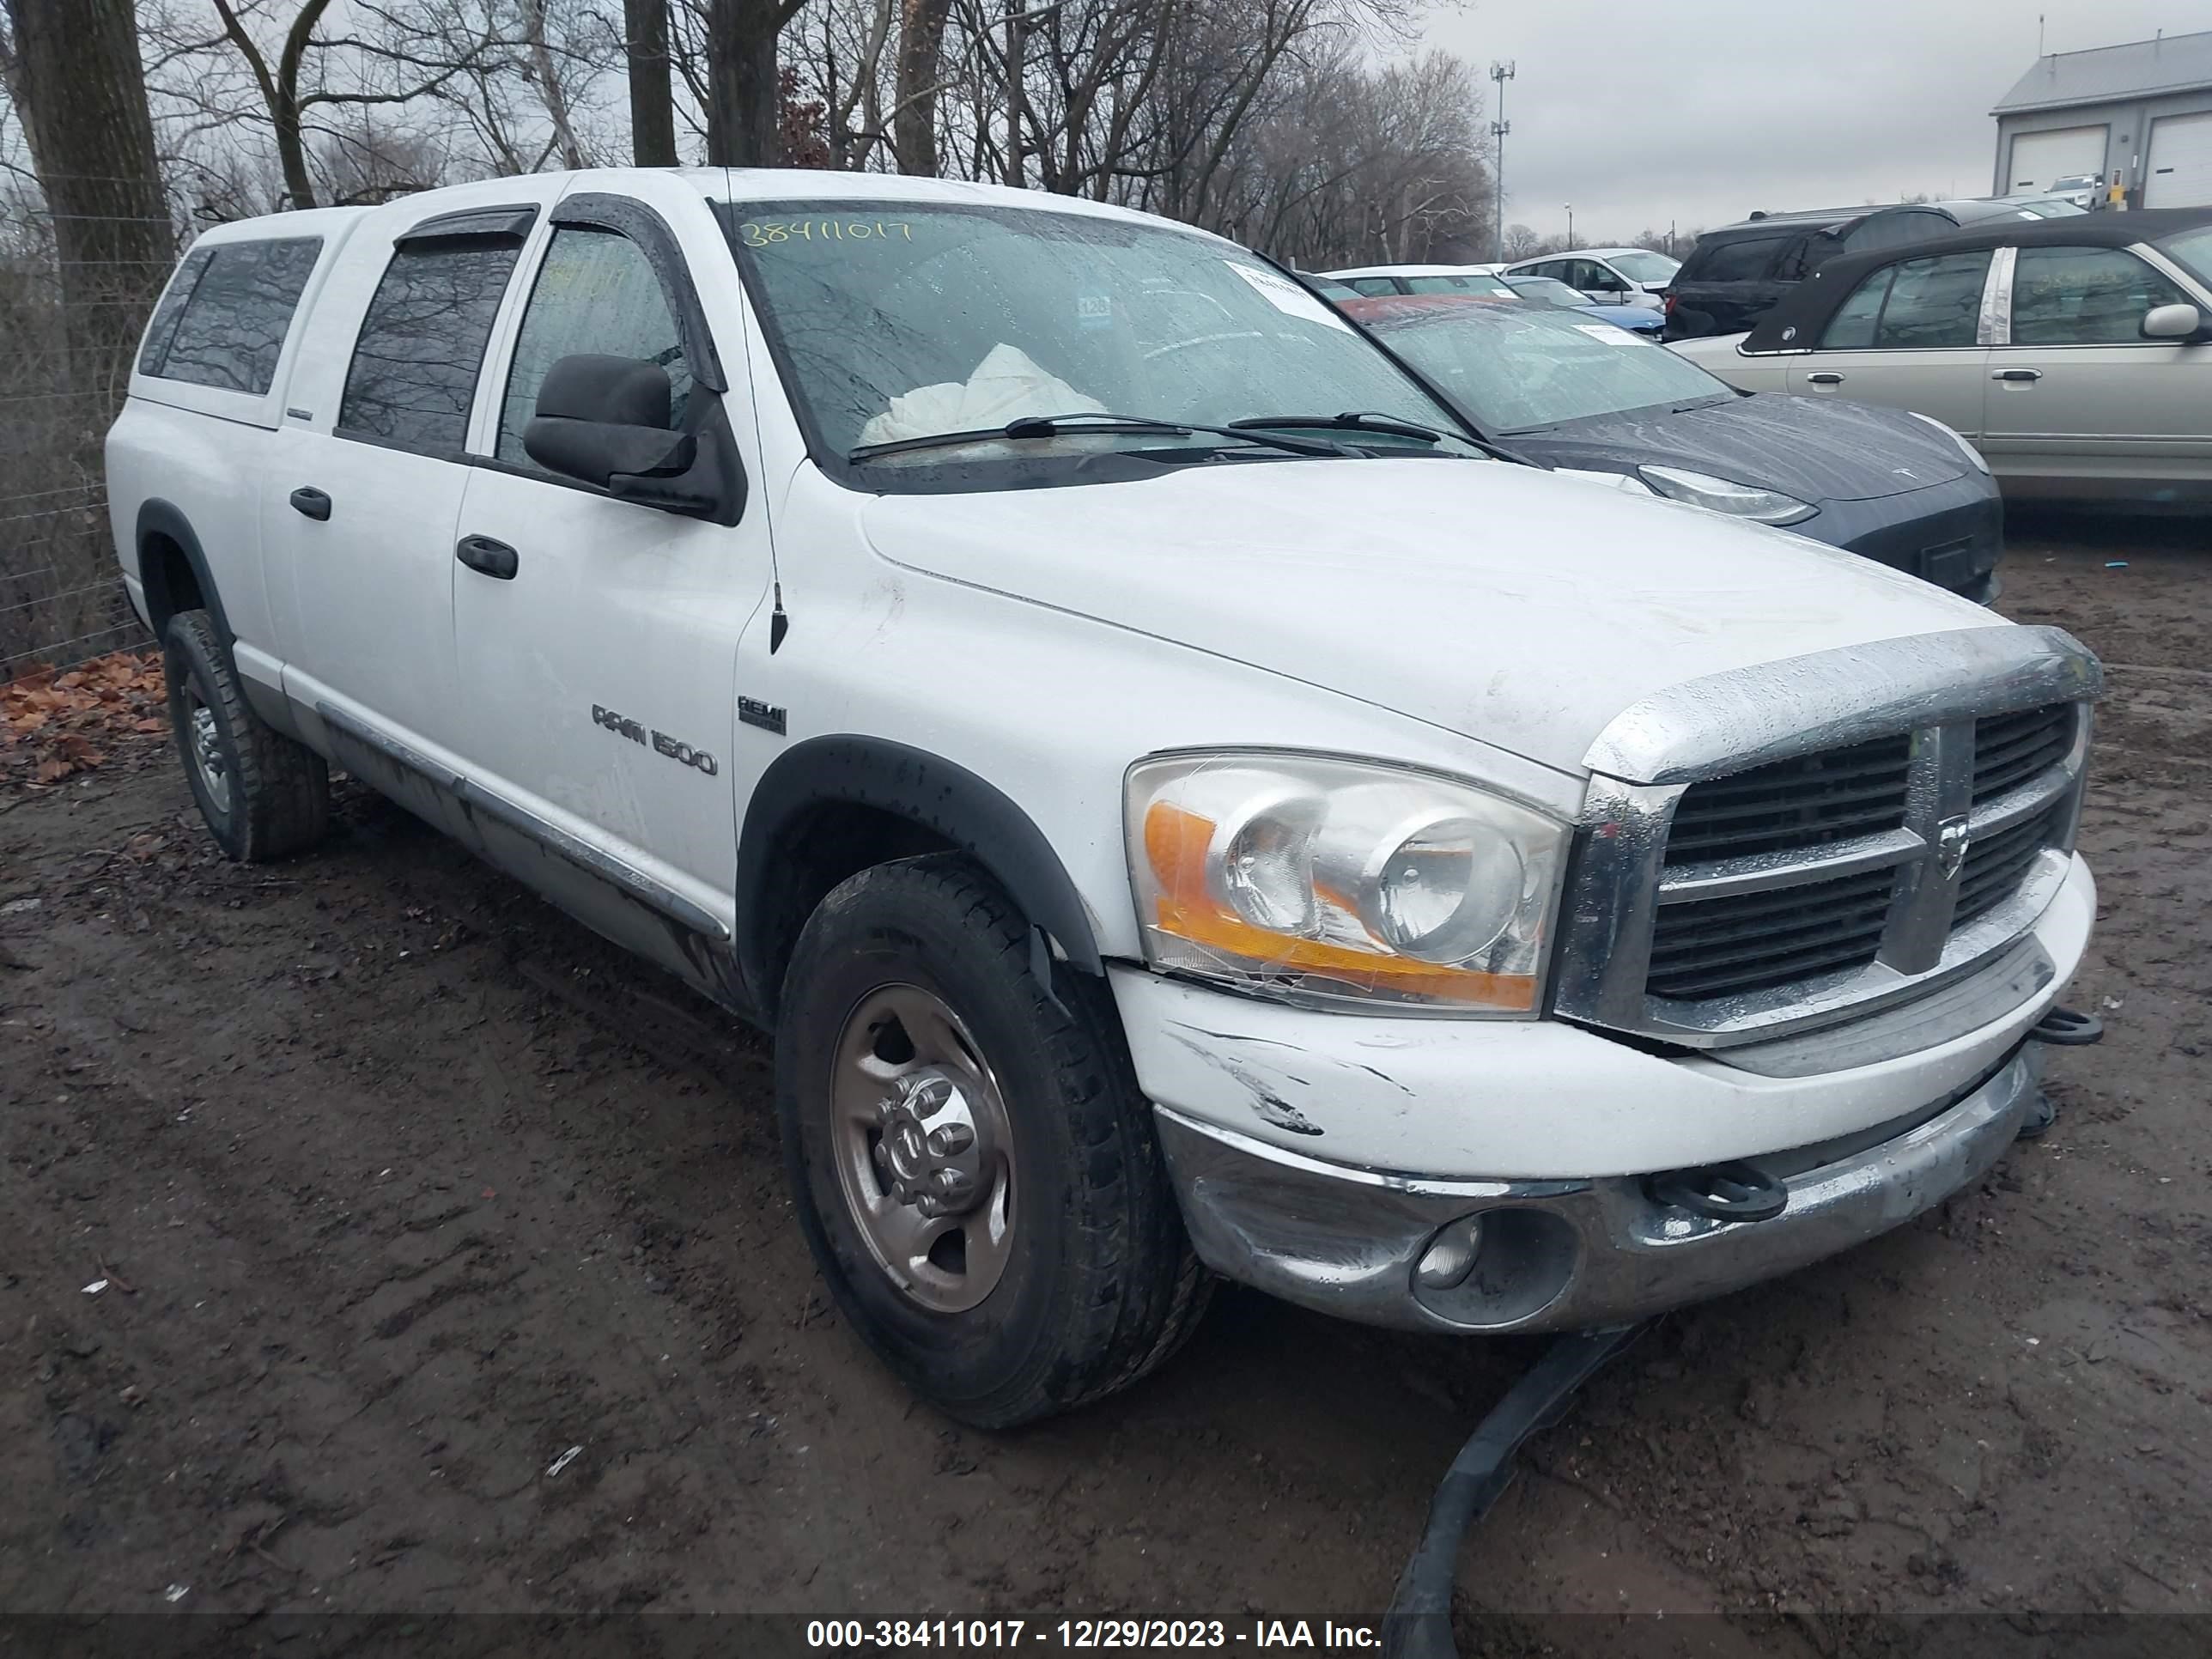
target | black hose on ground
x=1419, y=1623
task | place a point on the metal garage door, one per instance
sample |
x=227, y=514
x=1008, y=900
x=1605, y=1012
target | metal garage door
x=2181, y=172
x=2038, y=158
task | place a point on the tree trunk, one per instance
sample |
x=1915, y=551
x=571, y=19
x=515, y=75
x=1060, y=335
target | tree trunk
x=913, y=123
x=81, y=88
x=651, y=102
x=741, y=82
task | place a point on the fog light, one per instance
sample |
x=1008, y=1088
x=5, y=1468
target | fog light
x=1450, y=1258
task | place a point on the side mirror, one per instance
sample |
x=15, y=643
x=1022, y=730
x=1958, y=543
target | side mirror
x=2176, y=322
x=605, y=419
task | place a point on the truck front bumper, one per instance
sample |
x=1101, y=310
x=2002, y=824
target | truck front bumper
x=1321, y=1156
x=1561, y=1254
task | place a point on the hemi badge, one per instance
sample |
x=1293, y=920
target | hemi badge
x=753, y=711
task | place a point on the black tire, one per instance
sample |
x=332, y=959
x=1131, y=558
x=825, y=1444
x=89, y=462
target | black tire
x=278, y=789
x=1099, y=1285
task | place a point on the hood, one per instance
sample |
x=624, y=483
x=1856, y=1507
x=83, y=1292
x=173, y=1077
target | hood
x=1818, y=449
x=1517, y=609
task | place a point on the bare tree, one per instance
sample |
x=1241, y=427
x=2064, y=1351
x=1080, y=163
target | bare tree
x=743, y=88
x=652, y=95
x=72, y=70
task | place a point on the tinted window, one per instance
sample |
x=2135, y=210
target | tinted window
x=1933, y=303
x=595, y=293
x=1741, y=261
x=415, y=368
x=1882, y=230
x=1373, y=285
x=1490, y=287
x=2084, y=296
x=223, y=321
x=1852, y=326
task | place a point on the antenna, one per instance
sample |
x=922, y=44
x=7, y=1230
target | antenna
x=1500, y=73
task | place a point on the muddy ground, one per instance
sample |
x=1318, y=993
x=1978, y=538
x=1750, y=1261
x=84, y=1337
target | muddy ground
x=402, y=1186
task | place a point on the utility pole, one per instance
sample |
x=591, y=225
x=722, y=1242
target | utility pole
x=1571, y=224
x=1500, y=73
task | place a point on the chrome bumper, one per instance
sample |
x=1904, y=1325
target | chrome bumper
x=1561, y=1254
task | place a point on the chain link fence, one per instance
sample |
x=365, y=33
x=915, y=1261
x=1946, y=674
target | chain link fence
x=64, y=368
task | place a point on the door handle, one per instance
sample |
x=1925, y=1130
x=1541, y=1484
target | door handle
x=1824, y=377
x=2016, y=374
x=315, y=503
x=495, y=559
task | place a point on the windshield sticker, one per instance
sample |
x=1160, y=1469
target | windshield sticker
x=1606, y=332
x=1094, y=311
x=1286, y=296
x=764, y=233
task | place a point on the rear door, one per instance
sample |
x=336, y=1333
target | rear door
x=2077, y=393
x=364, y=479
x=1909, y=336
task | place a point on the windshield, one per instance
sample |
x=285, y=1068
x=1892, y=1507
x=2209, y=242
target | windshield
x=1548, y=289
x=1458, y=282
x=1518, y=367
x=2192, y=250
x=898, y=321
x=1641, y=266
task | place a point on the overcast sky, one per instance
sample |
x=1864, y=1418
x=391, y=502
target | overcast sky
x=1698, y=111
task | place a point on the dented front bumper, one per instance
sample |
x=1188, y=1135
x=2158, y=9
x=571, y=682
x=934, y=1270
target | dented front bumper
x=1560, y=1255
x=1319, y=1156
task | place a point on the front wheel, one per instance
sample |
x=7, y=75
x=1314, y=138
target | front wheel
x=974, y=1165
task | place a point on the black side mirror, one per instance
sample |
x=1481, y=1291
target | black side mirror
x=605, y=420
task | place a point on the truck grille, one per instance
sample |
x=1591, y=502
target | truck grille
x=1735, y=943
x=1717, y=947
x=2010, y=749
x=1804, y=801
x=1736, y=876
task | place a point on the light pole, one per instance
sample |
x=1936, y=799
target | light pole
x=1571, y=224
x=1500, y=73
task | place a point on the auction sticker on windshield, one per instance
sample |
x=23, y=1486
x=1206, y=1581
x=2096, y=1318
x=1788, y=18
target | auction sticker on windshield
x=1606, y=332
x=1287, y=297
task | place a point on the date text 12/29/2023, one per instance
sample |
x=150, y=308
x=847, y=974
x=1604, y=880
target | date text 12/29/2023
x=1088, y=1635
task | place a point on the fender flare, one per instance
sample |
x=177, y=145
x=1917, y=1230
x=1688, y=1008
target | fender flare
x=161, y=518
x=940, y=796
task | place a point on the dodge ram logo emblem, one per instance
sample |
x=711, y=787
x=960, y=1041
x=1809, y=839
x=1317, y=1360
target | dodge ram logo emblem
x=1951, y=839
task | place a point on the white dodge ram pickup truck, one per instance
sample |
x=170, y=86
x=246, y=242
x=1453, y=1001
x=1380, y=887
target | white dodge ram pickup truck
x=1178, y=802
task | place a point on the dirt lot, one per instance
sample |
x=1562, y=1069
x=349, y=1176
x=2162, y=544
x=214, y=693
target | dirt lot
x=402, y=1186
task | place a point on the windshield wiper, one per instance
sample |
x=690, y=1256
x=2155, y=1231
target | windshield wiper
x=1053, y=426
x=1349, y=421
x=1357, y=420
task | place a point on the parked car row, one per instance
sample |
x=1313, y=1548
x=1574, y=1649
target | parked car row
x=2075, y=354
x=1736, y=273
x=1186, y=800
x=1591, y=400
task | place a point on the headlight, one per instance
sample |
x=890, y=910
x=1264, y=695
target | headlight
x=1720, y=496
x=1327, y=880
x=1965, y=448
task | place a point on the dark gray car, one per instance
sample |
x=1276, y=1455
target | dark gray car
x=1896, y=487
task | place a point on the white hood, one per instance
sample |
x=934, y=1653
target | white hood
x=1519, y=608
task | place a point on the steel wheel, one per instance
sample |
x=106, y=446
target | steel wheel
x=924, y=1153
x=206, y=749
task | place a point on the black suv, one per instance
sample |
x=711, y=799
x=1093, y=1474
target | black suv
x=1735, y=274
